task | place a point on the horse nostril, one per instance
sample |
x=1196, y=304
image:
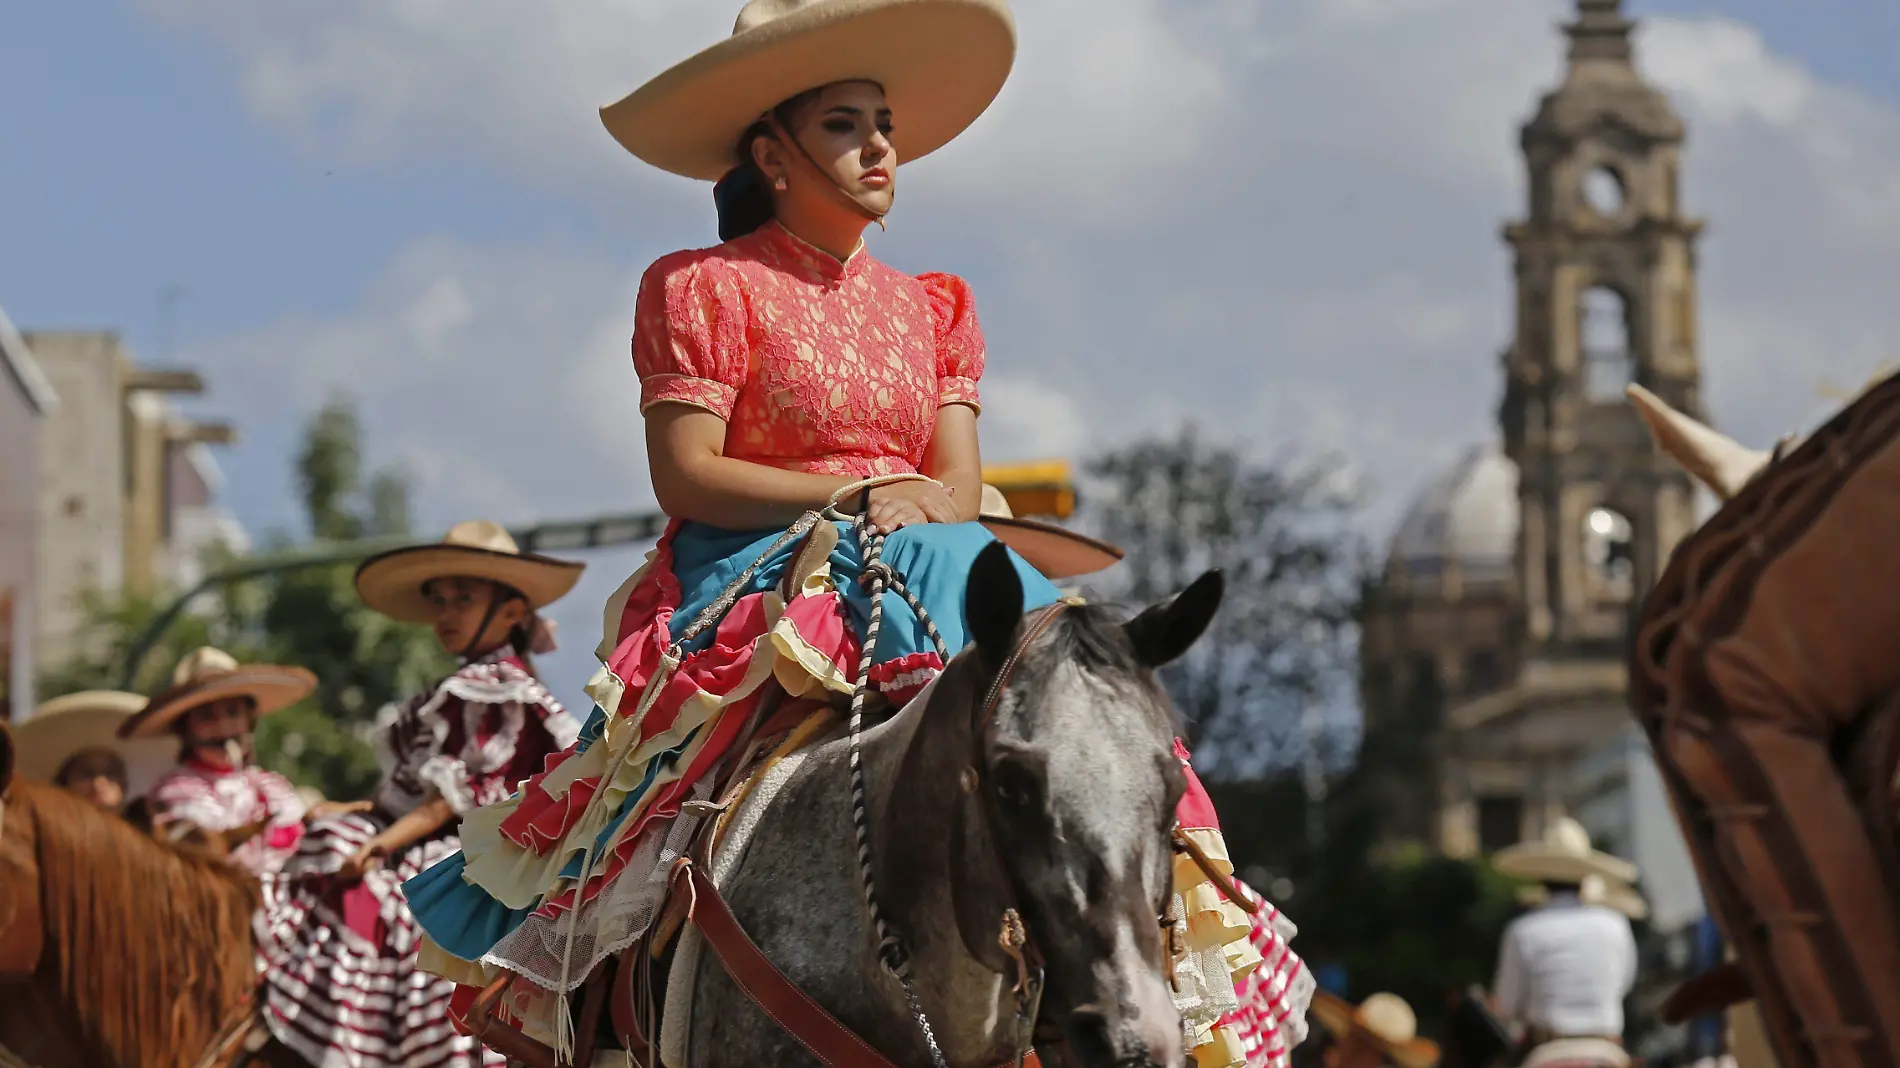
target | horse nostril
x=1098, y=1041
x=1089, y=1036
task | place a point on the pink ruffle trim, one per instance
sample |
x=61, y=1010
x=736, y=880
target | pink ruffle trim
x=541, y=821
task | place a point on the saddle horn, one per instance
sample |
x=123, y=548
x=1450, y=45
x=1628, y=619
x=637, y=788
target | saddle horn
x=1715, y=459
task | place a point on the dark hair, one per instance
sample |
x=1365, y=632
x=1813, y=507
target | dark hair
x=521, y=635
x=115, y=764
x=743, y=198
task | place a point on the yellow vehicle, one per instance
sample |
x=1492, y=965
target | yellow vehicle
x=1042, y=489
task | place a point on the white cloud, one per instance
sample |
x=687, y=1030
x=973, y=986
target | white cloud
x=487, y=373
x=1280, y=219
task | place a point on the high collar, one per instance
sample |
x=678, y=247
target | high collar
x=800, y=257
x=499, y=654
x=211, y=771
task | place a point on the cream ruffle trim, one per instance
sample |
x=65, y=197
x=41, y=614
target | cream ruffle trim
x=1213, y=921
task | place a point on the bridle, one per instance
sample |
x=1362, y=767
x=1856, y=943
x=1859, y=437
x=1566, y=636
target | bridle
x=1013, y=935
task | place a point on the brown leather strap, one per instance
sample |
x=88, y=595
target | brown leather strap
x=792, y=1009
x=516, y=1046
x=1228, y=888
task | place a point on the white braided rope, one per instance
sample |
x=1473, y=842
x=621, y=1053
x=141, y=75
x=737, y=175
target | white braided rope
x=892, y=954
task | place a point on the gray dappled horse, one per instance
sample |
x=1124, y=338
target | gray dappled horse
x=1063, y=807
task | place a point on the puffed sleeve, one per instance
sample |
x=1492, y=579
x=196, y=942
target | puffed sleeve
x=959, y=339
x=689, y=334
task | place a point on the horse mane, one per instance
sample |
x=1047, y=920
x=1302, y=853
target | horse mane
x=155, y=943
x=1091, y=637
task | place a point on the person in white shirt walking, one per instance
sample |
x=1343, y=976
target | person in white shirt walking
x=1565, y=968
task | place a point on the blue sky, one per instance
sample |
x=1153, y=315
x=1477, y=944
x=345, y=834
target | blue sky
x=1298, y=198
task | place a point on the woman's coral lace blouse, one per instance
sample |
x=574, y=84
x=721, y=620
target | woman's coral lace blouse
x=815, y=365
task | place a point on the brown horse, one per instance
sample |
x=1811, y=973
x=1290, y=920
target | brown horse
x=116, y=950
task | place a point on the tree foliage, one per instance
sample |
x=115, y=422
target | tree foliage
x=1284, y=640
x=309, y=617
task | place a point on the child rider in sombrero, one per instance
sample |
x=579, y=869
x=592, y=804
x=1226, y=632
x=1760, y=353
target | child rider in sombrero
x=780, y=371
x=342, y=986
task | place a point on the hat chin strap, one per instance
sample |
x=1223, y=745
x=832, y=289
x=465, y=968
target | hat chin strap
x=869, y=213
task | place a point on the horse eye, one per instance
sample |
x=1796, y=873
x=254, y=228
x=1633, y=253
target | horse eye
x=1017, y=787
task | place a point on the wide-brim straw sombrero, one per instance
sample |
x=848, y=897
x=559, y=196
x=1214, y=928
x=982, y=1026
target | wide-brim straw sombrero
x=940, y=62
x=1595, y=890
x=62, y=728
x=208, y=675
x=1386, y=1019
x=1057, y=552
x=392, y=582
x=1563, y=855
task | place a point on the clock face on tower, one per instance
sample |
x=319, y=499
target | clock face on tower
x=1603, y=191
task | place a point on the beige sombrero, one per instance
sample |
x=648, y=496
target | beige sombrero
x=1562, y=855
x=208, y=675
x=1386, y=1019
x=63, y=727
x=1057, y=552
x=391, y=582
x=941, y=63
x=1612, y=894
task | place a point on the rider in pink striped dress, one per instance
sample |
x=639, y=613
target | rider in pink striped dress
x=212, y=707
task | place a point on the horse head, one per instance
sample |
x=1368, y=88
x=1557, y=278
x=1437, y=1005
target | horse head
x=1073, y=789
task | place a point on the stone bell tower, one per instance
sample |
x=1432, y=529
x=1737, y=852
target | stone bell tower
x=1606, y=296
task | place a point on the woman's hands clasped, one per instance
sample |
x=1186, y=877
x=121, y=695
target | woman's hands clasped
x=902, y=504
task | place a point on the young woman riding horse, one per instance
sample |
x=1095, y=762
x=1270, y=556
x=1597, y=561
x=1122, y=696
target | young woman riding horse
x=342, y=987
x=783, y=372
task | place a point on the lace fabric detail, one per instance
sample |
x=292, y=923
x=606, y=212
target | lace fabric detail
x=818, y=366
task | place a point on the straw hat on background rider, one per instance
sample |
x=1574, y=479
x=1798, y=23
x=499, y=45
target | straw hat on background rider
x=1562, y=857
x=73, y=742
x=474, y=582
x=214, y=701
x=1594, y=890
x=1382, y=1029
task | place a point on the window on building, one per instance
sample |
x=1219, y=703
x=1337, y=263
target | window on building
x=1609, y=554
x=1483, y=671
x=1500, y=822
x=1603, y=191
x=1605, y=333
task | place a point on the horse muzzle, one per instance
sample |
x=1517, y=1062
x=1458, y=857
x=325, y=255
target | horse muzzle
x=1145, y=1035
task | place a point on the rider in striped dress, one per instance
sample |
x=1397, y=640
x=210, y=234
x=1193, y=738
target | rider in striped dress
x=342, y=989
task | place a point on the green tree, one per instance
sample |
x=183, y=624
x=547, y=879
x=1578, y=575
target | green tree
x=1282, y=534
x=310, y=617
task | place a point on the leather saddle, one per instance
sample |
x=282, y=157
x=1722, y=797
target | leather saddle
x=1766, y=672
x=619, y=1005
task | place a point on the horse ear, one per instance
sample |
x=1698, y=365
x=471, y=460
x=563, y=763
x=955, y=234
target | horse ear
x=993, y=603
x=1163, y=633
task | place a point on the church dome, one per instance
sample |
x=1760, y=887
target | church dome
x=1467, y=516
